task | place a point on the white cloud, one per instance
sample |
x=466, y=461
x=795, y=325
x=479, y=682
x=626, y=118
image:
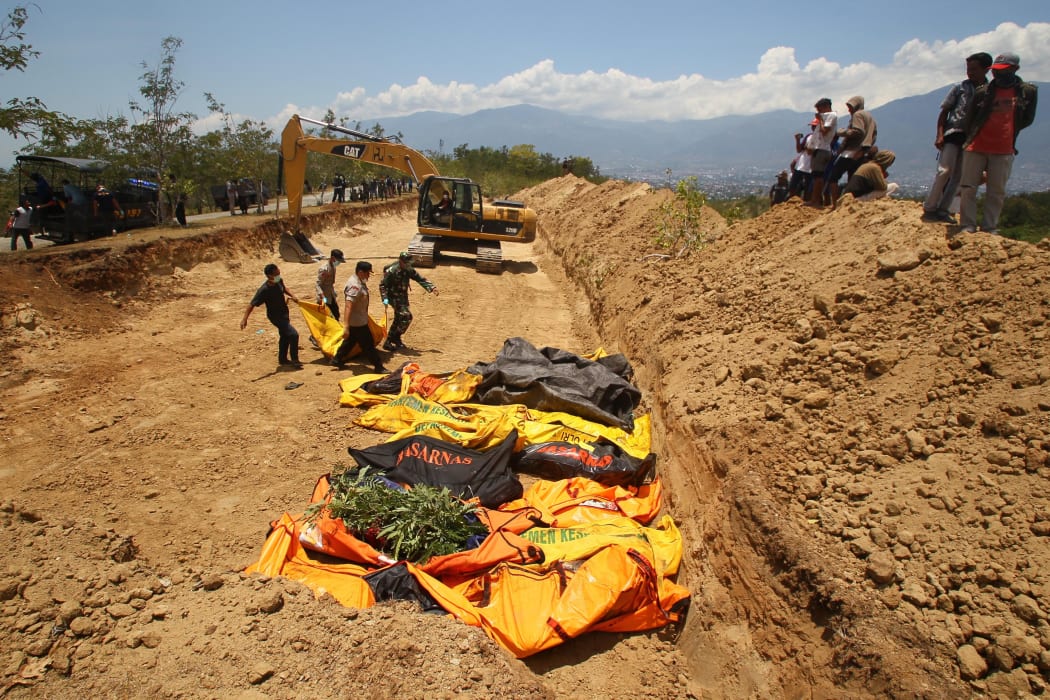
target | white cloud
x=778, y=82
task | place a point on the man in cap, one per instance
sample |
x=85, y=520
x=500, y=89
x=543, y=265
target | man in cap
x=355, y=320
x=819, y=147
x=1001, y=109
x=950, y=137
x=394, y=290
x=325, y=286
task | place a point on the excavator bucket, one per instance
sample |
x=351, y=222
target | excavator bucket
x=297, y=248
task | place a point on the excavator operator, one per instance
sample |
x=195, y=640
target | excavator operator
x=443, y=209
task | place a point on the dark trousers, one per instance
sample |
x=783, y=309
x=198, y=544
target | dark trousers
x=333, y=307
x=800, y=184
x=24, y=233
x=402, y=320
x=362, y=337
x=288, y=343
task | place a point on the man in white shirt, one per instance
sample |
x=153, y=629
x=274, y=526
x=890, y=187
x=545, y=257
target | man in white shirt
x=20, y=225
x=819, y=147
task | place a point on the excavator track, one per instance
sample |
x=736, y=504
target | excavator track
x=422, y=249
x=490, y=258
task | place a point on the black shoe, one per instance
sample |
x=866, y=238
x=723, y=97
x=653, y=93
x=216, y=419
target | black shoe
x=389, y=346
x=380, y=370
x=284, y=362
x=313, y=341
x=339, y=364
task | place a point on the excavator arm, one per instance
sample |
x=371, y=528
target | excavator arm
x=295, y=145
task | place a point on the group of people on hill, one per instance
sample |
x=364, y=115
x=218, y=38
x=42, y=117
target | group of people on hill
x=393, y=288
x=833, y=153
x=976, y=139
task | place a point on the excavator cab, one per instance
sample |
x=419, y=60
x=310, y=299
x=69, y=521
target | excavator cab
x=465, y=213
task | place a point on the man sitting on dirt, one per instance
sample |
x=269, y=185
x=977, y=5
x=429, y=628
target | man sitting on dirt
x=272, y=293
x=869, y=181
x=394, y=290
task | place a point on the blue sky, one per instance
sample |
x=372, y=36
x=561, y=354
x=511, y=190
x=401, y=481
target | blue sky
x=670, y=60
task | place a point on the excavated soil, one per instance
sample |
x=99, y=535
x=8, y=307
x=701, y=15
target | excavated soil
x=850, y=409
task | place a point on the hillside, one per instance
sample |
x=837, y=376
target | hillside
x=741, y=150
x=850, y=412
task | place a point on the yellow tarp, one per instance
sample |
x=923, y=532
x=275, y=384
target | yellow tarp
x=613, y=577
x=663, y=540
x=480, y=426
x=282, y=555
x=328, y=331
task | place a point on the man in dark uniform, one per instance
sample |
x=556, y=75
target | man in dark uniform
x=394, y=290
x=272, y=293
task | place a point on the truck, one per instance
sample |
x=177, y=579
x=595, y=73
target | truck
x=73, y=212
x=246, y=190
x=472, y=226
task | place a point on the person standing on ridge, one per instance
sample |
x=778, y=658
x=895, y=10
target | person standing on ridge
x=950, y=137
x=355, y=320
x=802, y=172
x=1001, y=109
x=780, y=191
x=820, y=149
x=272, y=293
x=393, y=288
x=857, y=141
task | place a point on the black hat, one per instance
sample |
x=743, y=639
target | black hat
x=363, y=266
x=337, y=254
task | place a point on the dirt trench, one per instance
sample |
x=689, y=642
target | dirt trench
x=830, y=392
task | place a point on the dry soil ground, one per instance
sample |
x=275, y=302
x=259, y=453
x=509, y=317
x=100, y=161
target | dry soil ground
x=850, y=408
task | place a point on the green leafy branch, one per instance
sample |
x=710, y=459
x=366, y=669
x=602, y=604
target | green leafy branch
x=414, y=524
x=680, y=222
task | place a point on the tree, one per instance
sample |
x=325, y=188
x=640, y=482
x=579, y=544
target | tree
x=680, y=221
x=25, y=117
x=249, y=146
x=162, y=130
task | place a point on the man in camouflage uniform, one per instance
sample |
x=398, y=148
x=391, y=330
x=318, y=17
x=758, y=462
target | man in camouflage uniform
x=394, y=290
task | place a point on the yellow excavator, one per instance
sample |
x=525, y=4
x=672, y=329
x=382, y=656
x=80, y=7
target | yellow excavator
x=462, y=222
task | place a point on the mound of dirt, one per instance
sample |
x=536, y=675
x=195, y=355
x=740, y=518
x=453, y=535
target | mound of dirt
x=854, y=411
x=850, y=410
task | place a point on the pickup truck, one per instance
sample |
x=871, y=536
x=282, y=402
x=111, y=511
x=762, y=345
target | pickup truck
x=245, y=191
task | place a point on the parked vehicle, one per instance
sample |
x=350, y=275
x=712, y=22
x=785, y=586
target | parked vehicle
x=76, y=209
x=246, y=191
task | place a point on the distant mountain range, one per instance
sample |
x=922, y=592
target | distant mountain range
x=742, y=149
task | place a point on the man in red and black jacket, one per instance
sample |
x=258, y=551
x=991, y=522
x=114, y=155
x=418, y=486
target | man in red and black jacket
x=1000, y=110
